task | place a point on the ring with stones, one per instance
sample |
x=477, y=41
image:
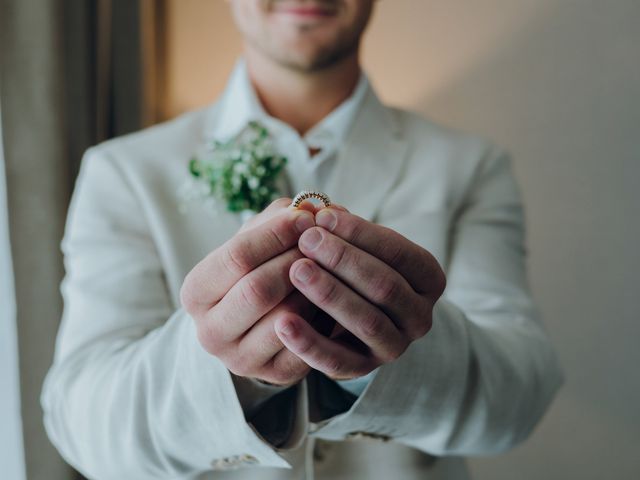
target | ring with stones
x=307, y=194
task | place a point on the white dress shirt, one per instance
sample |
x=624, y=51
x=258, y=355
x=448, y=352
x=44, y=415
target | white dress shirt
x=305, y=172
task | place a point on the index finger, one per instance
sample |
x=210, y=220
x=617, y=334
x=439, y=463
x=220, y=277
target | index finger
x=212, y=278
x=407, y=258
x=275, y=208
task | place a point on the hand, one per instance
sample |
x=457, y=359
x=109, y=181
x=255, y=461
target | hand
x=238, y=292
x=379, y=286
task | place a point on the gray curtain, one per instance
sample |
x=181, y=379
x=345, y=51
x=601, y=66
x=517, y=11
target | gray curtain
x=72, y=73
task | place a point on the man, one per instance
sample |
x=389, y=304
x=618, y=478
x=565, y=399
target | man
x=188, y=345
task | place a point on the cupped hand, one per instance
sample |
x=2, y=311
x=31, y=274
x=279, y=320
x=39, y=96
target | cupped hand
x=379, y=286
x=239, y=291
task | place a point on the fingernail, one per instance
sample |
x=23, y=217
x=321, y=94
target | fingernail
x=311, y=239
x=304, y=222
x=326, y=219
x=303, y=272
x=288, y=329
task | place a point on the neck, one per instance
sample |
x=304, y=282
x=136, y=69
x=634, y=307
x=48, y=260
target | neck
x=298, y=98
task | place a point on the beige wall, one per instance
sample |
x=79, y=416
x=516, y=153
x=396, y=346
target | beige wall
x=558, y=83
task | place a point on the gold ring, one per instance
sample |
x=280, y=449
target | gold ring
x=306, y=194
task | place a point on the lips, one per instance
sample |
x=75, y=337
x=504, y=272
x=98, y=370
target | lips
x=305, y=9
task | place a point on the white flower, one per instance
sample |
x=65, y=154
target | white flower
x=240, y=168
x=220, y=169
x=253, y=182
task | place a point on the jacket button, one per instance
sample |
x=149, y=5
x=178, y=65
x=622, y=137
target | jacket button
x=234, y=461
x=320, y=450
x=247, y=459
x=226, y=463
x=365, y=435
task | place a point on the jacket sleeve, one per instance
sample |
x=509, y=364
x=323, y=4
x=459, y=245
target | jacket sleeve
x=481, y=379
x=131, y=393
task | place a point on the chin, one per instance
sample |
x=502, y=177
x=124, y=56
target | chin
x=307, y=54
x=305, y=62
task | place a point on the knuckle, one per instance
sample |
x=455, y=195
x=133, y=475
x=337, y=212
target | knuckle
x=366, y=367
x=277, y=234
x=300, y=369
x=191, y=293
x=427, y=325
x=396, y=253
x=393, y=351
x=237, y=366
x=257, y=293
x=210, y=337
x=420, y=329
x=392, y=354
x=276, y=377
x=304, y=346
x=384, y=291
x=353, y=227
x=388, y=355
x=289, y=372
x=339, y=257
x=236, y=259
x=435, y=281
x=290, y=257
x=441, y=282
x=364, y=370
x=271, y=342
x=187, y=299
x=276, y=238
x=333, y=366
x=328, y=293
x=372, y=326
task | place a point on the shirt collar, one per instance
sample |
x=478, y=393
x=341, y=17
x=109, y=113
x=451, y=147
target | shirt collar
x=331, y=130
x=240, y=105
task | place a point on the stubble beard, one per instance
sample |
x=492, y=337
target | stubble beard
x=321, y=60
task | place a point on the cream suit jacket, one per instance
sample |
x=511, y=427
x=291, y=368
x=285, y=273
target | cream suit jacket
x=132, y=395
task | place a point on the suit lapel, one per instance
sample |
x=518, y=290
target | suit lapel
x=371, y=160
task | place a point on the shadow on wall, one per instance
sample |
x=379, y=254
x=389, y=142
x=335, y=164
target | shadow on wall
x=562, y=93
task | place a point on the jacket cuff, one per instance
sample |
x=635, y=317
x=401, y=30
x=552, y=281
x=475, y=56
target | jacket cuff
x=357, y=385
x=212, y=394
x=398, y=402
x=253, y=394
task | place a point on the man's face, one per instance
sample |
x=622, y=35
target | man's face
x=305, y=35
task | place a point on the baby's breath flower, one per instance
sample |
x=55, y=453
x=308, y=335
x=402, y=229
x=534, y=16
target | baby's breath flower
x=241, y=172
x=253, y=182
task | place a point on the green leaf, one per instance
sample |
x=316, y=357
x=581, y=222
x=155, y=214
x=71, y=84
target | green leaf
x=194, y=167
x=253, y=148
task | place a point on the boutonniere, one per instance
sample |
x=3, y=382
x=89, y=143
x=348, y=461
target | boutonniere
x=241, y=173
